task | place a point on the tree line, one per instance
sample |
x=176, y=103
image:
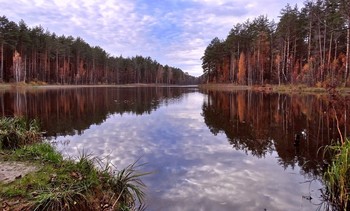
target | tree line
x=34, y=54
x=307, y=46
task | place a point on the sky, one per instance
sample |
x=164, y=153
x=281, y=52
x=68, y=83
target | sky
x=173, y=32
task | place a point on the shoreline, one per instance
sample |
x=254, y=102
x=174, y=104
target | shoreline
x=286, y=89
x=6, y=86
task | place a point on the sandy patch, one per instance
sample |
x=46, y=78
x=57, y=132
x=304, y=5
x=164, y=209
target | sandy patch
x=10, y=171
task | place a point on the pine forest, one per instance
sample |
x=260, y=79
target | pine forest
x=37, y=55
x=307, y=46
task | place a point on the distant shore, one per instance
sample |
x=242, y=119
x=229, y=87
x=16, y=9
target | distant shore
x=60, y=86
x=224, y=87
x=272, y=88
x=211, y=86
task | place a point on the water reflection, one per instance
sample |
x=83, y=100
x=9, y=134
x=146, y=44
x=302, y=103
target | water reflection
x=295, y=126
x=73, y=110
x=211, y=151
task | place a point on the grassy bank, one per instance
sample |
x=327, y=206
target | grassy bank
x=86, y=183
x=273, y=88
x=337, y=176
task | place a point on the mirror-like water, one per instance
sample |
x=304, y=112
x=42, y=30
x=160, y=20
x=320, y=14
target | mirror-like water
x=208, y=150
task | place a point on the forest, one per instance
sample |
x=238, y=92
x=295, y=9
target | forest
x=307, y=46
x=37, y=55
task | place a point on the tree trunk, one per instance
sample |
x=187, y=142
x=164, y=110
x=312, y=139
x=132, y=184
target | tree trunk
x=77, y=69
x=48, y=66
x=320, y=52
x=57, y=77
x=45, y=66
x=347, y=52
x=232, y=68
x=2, y=62
x=249, y=66
x=34, y=65
x=279, y=71
x=284, y=58
x=329, y=53
x=294, y=61
x=259, y=66
x=287, y=73
x=324, y=50
x=309, y=43
x=105, y=73
x=25, y=68
x=93, y=70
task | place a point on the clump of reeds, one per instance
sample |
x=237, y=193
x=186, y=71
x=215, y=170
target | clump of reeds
x=128, y=184
x=337, y=176
x=17, y=131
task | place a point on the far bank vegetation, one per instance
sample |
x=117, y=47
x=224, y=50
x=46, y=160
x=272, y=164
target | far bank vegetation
x=39, y=56
x=309, y=45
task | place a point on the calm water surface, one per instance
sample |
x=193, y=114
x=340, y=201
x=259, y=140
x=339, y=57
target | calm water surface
x=208, y=150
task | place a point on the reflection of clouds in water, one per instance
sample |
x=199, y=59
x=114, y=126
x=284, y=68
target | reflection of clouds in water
x=121, y=139
x=195, y=170
x=253, y=186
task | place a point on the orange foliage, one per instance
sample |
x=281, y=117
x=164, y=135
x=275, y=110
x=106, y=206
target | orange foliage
x=306, y=68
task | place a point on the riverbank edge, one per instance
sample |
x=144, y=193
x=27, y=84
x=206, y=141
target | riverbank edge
x=41, y=178
x=7, y=86
x=285, y=89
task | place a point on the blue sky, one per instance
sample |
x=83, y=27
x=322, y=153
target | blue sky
x=173, y=32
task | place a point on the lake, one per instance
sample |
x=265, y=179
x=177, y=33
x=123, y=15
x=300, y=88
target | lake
x=208, y=150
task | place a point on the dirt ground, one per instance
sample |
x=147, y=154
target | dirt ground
x=10, y=171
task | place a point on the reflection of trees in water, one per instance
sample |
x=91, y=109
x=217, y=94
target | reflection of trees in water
x=71, y=111
x=259, y=123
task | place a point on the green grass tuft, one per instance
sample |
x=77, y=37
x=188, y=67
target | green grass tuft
x=337, y=176
x=42, y=151
x=17, y=131
x=61, y=198
x=127, y=182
